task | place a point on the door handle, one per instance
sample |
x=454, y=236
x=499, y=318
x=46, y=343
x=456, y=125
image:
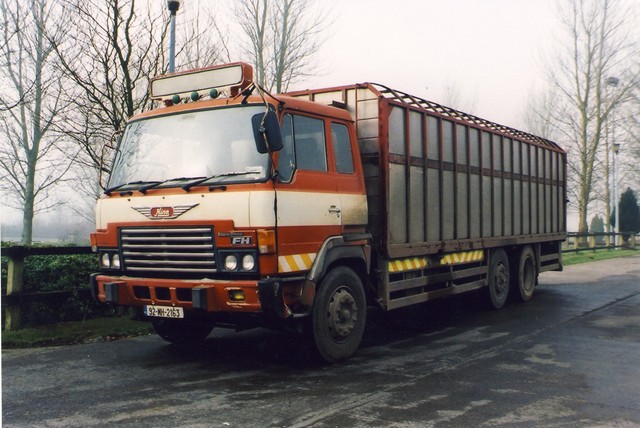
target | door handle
x=334, y=209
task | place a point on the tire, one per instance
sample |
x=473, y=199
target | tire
x=498, y=280
x=338, y=316
x=182, y=331
x=527, y=275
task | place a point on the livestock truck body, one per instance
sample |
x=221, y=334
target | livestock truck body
x=228, y=206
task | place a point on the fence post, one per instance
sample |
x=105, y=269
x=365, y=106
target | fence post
x=15, y=268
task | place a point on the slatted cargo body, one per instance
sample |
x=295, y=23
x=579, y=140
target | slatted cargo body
x=439, y=180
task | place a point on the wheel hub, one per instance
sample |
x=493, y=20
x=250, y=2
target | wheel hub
x=501, y=276
x=342, y=314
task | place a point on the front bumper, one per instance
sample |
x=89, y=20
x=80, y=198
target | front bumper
x=271, y=297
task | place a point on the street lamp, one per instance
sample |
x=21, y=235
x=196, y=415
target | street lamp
x=610, y=82
x=173, y=6
x=616, y=149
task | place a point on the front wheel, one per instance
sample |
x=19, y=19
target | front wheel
x=182, y=331
x=339, y=315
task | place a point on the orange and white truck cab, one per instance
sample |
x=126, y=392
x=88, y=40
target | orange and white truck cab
x=228, y=208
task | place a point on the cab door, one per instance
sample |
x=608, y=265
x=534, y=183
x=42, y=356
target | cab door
x=309, y=206
x=349, y=180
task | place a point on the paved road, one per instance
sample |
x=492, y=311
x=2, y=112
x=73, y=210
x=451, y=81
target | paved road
x=569, y=358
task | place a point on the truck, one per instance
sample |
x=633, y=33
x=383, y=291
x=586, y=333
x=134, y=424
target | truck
x=231, y=207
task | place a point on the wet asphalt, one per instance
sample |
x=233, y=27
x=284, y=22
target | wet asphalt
x=570, y=357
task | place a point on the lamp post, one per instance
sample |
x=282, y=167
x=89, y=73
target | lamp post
x=610, y=82
x=616, y=149
x=173, y=6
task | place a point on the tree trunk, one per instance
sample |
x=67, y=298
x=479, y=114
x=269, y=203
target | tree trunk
x=27, y=223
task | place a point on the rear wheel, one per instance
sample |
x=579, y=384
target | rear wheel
x=527, y=274
x=498, y=279
x=182, y=331
x=339, y=315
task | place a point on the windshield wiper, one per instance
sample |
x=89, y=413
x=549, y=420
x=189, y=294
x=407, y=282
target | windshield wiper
x=132, y=185
x=160, y=183
x=188, y=186
x=143, y=186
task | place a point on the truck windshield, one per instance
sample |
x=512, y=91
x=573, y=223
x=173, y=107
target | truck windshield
x=216, y=145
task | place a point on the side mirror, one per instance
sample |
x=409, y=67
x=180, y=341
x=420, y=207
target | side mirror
x=266, y=132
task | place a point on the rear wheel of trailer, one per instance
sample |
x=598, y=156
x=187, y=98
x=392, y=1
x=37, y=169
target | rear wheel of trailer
x=527, y=275
x=498, y=280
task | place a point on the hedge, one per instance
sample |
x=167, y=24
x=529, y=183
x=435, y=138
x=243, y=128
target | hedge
x=54, y=273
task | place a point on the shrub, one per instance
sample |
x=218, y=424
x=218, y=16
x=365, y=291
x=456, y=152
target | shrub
x=58, y=273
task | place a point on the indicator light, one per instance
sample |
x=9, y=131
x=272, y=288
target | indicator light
x=266, y=241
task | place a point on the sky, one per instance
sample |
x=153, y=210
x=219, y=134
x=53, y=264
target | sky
x=491, y=52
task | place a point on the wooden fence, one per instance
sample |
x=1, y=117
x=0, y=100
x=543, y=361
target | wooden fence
x=15, y=269
x=598, y=241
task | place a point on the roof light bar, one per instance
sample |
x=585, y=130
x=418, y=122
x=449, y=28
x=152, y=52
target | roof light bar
x=230, y=77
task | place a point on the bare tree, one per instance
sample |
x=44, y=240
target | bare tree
x=32, y=158
x=113, y=49
x=109, y=54
x=282, y=38
x=201, y=41
x=630, y=131
x=454, y=97
x=598, y=46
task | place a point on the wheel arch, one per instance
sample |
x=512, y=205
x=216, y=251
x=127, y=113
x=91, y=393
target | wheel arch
x=338, y=252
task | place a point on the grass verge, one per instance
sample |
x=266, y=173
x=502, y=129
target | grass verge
x=74, y=332
x=590, y=255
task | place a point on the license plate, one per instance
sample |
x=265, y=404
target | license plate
x=163, y=311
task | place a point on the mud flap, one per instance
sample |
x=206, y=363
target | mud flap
x=271, y=298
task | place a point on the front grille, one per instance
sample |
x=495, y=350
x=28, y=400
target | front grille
x=155, y=251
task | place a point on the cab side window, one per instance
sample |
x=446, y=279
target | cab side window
x=304, y=146
x=309, y=138
x=342, y=148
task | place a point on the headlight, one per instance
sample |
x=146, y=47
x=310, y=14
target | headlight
x=248, y=262
x=105, y=261
x=238, y=261
x=110, y=260
x=230, y=262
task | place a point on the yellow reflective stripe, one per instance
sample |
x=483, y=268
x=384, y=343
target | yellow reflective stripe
x=296, y=262
x=413, y=263
x=459, y=258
